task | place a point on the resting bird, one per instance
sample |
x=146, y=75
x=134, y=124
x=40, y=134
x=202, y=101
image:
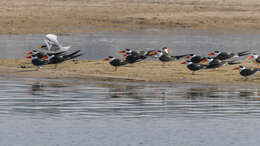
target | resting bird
x=36, y=61
x=142, y=54
x=115, y=62
x=246, y=72
x=194, y=58
x=194, y=66
x=227, y=55
x=216, y=63
x=54, y=58
x=163, y=57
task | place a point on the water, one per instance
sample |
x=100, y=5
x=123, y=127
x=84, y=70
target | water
x=73, y=112
x=80, y=112
x=99, y=45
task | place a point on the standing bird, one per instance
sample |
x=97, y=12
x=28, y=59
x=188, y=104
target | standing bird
x=52, y=58
x=194, y=58
x=255, y=58
x=36, y=61
x=142, y=54
x=216, y=63
x=163, y=57
x=246, y=72
x=193, y=66
x=59, y=57
x=227, y=55
x=115, y=62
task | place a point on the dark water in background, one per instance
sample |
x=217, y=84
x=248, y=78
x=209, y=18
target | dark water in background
x=100, y=45
x=55, y=112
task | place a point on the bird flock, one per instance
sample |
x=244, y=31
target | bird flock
x=52, y=52
x=193, y=62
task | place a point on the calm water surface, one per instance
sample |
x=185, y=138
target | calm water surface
x=72, y=112
x=54, y=112
x=100, y=45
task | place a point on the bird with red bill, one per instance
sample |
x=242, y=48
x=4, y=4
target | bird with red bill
x=246, y=72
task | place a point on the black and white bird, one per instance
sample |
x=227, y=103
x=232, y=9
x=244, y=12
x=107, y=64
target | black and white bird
x=246, y=72
x=194, y=58
x=115, y=62
x=227, y=55
x=193, y=66
x=216, y=63
x=163, y=57
x=39, y=59
x=36, y=61
x=141, y=54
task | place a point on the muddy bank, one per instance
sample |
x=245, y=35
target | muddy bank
x=147, y=71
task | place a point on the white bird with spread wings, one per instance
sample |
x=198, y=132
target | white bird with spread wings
x=52, y=44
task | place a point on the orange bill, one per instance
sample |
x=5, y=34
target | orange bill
x=45, y=58
x=187, y=57
x=236, y=68
x=211, y=54
x=28, y=57
x=29, y=53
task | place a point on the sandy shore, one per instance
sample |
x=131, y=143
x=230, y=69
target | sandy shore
x=81, y=16
x=146, y=71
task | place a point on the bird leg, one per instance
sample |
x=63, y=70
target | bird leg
x=163, y=64
x=37, y=68
x=115, y=68
x=193, y=72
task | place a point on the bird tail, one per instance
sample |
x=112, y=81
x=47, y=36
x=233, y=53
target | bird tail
x=243, y=53
x=72, y=55
x=233, y=62
x=180, y=56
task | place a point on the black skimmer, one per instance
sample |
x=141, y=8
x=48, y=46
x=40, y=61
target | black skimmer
x=115, y=62
x=134, y=57
x=41, y=54
x=255, y=58
x=36, y=61
x=141, y=54
x=227, y=55
x=163, y=57
x=194, y=58
x=38, y=58
x=194, y=66
x=245, y=72
x=59, y=57
x=216, y=63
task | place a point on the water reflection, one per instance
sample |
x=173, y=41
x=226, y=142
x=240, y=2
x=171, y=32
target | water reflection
x=95, y=99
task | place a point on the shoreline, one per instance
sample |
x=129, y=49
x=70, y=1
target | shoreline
x=145, y=72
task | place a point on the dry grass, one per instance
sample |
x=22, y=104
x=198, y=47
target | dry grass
x=77, y=16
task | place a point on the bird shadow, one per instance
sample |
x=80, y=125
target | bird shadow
x=27, y=70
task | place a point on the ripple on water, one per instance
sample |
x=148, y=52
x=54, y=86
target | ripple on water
x=104, y=99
